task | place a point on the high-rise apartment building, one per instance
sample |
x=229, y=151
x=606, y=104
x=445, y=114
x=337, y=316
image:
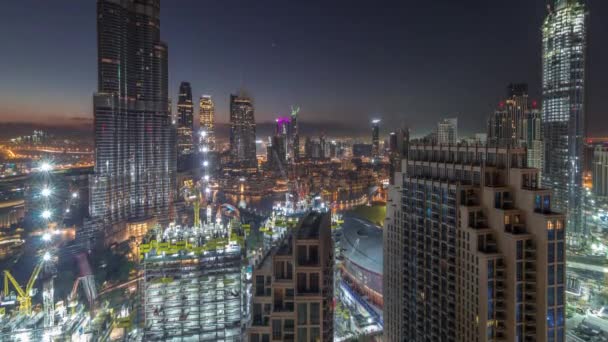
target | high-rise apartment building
x=293, y=286
x=564, y=62
x=134, y=156
x=447, y=131
x=242, y=132
x=185, y=120
x=207, y=121
x=472, y=249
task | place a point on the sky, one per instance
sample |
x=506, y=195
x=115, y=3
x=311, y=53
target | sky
x=343, y=62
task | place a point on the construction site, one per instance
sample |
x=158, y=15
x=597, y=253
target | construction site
x=192, y=286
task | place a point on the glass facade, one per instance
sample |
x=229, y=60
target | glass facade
x=563, y=117
x=185, y=119
x=134, y=138
x=242, y=131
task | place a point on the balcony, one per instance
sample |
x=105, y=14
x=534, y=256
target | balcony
x=283, y=307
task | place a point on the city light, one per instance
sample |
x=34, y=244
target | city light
x=46, y=256
x=74, y=195
x=206, y=177
x=205, y=163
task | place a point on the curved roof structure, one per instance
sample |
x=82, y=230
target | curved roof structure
x=362, y=241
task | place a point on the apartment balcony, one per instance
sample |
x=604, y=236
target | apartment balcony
x=283, y=307
x=515, y=228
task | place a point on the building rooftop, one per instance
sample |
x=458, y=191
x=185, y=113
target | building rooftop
x=362, y=242
x=309, y=227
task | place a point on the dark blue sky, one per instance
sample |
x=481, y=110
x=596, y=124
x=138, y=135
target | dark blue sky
x=343, y=62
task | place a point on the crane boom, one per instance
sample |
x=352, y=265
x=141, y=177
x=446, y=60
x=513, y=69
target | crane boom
x=33, y=277
x=8, y=277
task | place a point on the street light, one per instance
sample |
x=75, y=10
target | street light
x=46, y=214
x=46, y=167
x=46, y=192
x=46, y=236
x=74, y=195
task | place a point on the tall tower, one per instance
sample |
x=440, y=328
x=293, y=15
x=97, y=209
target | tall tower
x=375, y=138
x=242, y=132
x=185, y=120
x=506, y=125
x=134, y=174
x=207, y=120
x=563, y=112
x=295, y=134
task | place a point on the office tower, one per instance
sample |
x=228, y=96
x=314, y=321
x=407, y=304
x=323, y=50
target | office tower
x=472, y=249
x=207, y=121
x=308, y=148
x=564, y=61
x=447, y=131
x=242, y=132
x=134, y=175
x=295, y=135
x=191, y=290
x=600, y=172
x=280, y=145
x=185, y=120
x=293, y=286
x=375, y=138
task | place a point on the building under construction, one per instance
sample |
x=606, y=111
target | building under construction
x=192, y=287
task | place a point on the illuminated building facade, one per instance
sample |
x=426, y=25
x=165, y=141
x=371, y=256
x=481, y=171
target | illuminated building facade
x=472, y=249
x=242, y=132
x=600, y=172
x=207, y=120
x=564, y=62
x=185, y=120
x=134, y=152
x=375, y=139
x=295, y=135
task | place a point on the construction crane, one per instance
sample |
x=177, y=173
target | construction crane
x=24, y=296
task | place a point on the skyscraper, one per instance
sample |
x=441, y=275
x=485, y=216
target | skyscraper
x=207, y=120
x=134, y=158
x=447, y=131
x=472, y=249
x=505, y=126
x=295, y=135
x=564, y=61
x=242, y=132
x=375, y=138
x=185, y=120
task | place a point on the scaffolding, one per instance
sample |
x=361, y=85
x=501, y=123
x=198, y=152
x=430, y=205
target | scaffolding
x=192, y=292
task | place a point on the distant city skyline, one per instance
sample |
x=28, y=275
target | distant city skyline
x=275, y=56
